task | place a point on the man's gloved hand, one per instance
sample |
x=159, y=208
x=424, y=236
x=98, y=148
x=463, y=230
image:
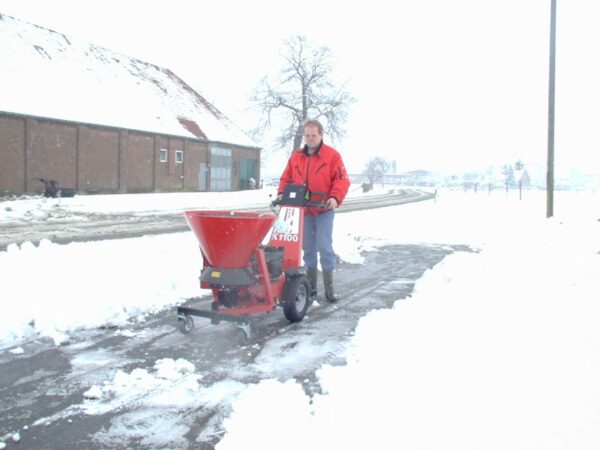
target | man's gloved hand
x=277, y=208
x=331, y=203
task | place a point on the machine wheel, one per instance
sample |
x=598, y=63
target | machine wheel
x=296, y=298
x=186, y=324
x=242, y=337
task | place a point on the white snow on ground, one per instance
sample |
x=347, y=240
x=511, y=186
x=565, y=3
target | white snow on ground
x=494, y=349
x=30, y=208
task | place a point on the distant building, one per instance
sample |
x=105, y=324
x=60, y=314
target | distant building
x=99, y=121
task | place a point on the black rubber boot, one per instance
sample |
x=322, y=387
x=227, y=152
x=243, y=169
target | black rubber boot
x=328, y=283
x=311, y=274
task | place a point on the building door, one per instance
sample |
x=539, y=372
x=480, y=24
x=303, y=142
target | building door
x=247, y=173
x=220, y=169
x=202, y=172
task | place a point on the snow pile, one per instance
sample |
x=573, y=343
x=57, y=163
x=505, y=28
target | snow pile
x=172, y=382
x=494, y=350
x=59, y=289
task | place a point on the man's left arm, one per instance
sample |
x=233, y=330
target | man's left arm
x=340, y=184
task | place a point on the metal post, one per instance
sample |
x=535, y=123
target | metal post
x=550, y=166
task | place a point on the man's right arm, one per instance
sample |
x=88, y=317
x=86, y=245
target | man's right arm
x=284, y=180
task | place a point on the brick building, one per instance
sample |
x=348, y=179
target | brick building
x=100, y=121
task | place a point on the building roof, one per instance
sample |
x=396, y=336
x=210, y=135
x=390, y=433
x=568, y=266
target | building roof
x=48, y=74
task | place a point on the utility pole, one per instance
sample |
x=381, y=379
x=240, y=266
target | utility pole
x=550, y=166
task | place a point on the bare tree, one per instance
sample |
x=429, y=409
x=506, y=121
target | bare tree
x=509, y=176
x=375, y=169
x=302, y=89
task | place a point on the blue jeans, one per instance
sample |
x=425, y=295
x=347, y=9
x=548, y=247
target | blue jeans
x=318, y=232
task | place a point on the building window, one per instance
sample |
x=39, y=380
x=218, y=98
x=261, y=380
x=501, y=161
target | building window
x=163, y=155
x=179, y=156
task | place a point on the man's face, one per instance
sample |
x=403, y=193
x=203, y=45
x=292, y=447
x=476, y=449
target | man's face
x=312, y=136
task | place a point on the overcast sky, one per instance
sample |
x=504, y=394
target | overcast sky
x=441, y=85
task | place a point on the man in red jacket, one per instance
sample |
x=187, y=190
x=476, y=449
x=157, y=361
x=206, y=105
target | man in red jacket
x=320, y=168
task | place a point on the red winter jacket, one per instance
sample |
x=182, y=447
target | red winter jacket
x=323, y=173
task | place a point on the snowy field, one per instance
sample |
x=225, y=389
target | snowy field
x=494, y=349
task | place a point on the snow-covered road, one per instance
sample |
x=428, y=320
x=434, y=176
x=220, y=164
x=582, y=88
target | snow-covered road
x=74, y=219
x=492, y=348
x=99, y=389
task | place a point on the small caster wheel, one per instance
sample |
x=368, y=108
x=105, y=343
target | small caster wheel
x=243, y=335
x=186, y=324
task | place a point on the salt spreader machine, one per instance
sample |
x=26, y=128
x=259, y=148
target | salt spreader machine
x=246, y=272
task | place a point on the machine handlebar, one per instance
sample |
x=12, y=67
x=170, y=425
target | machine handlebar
x=304, y=204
